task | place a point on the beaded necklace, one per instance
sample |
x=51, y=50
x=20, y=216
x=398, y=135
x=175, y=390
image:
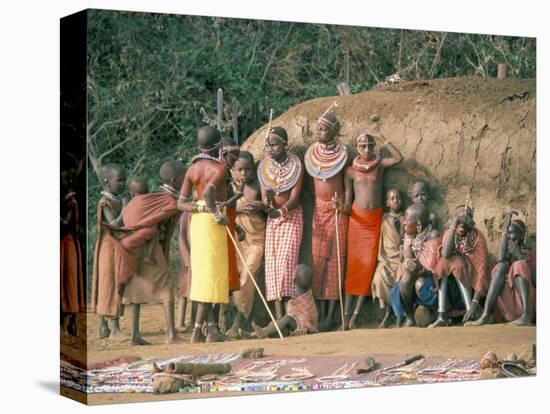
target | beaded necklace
x=465, y=245
x=169, y=189
x=324, y=161
x=203, y=156
x=419, y=240
x=360, y=164
x=280, y=177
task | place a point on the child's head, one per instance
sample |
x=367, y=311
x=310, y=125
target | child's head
x=112, y=177
x=243, y=167
x=393, y=200
x=417, y=217
x=138, y=186
x=303, y=276
x=516, y=231
x=172, y=173
x=365, y=144
x=420, y=192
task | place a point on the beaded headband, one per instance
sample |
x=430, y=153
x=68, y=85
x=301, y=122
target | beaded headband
x=273, y=134
x=210, y=149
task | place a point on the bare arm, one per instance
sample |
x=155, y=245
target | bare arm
x=447, y=247
x=294, y=198
x=111, y=218
x=348, y=191
x=185, y=199
x=503, y=248
x=396, y=156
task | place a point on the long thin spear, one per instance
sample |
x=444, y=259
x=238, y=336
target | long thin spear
x=339, y=265
x=254, y=281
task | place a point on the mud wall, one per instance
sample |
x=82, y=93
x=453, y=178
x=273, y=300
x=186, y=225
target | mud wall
x=460, y=134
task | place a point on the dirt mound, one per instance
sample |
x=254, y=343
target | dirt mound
x=460, y=134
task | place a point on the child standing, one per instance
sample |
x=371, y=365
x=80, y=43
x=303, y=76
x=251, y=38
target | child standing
x=389, y=253
x=105, y=297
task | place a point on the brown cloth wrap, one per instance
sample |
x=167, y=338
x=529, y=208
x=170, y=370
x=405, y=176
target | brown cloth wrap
x=389, y=260
x=72, y=280
x=105, y=298
x=471, y=270
x=252, y=249
x=324, y=249
x=302, y=309
x=141, y=217
x=363, y=240
x=143, y=282
x=428, y=257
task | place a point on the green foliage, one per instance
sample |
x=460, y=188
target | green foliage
x=150, y=74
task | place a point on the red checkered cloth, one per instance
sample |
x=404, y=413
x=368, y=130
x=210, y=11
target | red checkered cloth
x=324, y=249
x=471, y=269
x=509, y=306
x=283, y=237
x=303, y=310
x=429, y=255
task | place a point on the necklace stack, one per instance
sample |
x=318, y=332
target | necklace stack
x=280, y=177
x=203, y=156
x=419, y=240
x=360, y=164
x=465, y=245
x=324, y=161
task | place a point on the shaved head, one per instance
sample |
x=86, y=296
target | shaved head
x=171, y=170
x=419, y=212
x=138, y=186
x=108, y=171
x=208, y=137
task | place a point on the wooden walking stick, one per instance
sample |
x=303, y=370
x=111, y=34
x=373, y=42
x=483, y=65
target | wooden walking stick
x=339, y=265
x=254, y=281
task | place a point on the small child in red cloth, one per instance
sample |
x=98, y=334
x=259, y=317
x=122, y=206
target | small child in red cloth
x=301, y=317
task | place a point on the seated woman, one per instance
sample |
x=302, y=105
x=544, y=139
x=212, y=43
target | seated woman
x=462, y=269
x=512, y=294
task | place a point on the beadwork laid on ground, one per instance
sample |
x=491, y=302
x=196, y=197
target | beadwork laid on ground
x=273, y=374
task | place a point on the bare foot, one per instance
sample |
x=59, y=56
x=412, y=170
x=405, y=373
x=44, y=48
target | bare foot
x=325, y=326
x=171, y=338
x=185, y=329
x=197, y=336
x=409, y=322
x=234, y=333
x=215, y=336
x=438, y=323
x=398, y=321
x=485, y=319
x=138, y=341
x=385, y=322
x=523, y=320
x=116, y=334
x=104, y=332
x=258, y=330
x=352, y=321
x=246, y=335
